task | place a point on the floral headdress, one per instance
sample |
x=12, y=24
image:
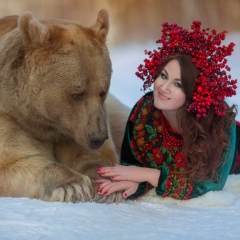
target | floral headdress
x=213, y=83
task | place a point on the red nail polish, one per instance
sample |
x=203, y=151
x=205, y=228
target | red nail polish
x=98, y=188
x=125, y=195
x=106, y=193
x=112, y=177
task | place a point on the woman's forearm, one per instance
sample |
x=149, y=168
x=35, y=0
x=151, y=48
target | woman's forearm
x=131, y=173
x=151, y=175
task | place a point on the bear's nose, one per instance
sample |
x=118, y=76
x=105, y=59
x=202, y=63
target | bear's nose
x=97, y=143
x=97, y=139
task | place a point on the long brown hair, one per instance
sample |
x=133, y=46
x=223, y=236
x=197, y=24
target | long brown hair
x=204, y=139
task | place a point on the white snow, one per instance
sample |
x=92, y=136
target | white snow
x=216, y=215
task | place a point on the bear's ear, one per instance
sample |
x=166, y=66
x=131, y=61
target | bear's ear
x=102, y=25
x=7, y=24
x=33, y=32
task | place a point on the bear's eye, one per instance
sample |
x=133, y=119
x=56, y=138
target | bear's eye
x=77, y=96
x=102, y=94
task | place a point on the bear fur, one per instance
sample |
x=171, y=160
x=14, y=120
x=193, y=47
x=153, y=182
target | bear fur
x=54, y=80
x=118, y=114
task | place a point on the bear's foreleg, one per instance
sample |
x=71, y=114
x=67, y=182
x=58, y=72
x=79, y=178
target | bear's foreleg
x=87, y=162
x=34, y=177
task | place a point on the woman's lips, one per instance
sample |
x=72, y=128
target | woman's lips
x=162, y=97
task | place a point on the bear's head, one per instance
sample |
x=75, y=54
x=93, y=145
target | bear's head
x=55, y=76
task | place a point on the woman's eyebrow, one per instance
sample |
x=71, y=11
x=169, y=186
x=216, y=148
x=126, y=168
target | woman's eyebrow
x=165, y=71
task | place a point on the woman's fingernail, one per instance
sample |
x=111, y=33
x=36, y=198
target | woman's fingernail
x=125, y=195
x=106, y=193
x=112, y=177
x=98, y=188
x=103, y=173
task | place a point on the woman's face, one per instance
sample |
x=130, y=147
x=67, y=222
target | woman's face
x=168, y=93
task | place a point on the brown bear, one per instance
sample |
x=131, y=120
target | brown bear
x=54, y=79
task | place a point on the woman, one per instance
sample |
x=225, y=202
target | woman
x=180, y=138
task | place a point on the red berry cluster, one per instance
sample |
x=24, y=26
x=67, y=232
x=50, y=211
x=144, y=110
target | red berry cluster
x=213, y=83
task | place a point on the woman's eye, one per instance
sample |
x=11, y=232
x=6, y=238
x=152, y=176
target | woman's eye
x=77, y=96
x=179, y=85
x=163, y=76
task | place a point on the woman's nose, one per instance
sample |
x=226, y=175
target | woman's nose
x=165, y=86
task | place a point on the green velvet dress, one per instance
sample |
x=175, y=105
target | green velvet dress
x=146, y=144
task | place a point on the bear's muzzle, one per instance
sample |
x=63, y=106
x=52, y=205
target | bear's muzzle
x=97, y=139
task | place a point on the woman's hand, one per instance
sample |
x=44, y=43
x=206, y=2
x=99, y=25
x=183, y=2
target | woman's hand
x=120, y=172
x=131, y=173
x=107, y=187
